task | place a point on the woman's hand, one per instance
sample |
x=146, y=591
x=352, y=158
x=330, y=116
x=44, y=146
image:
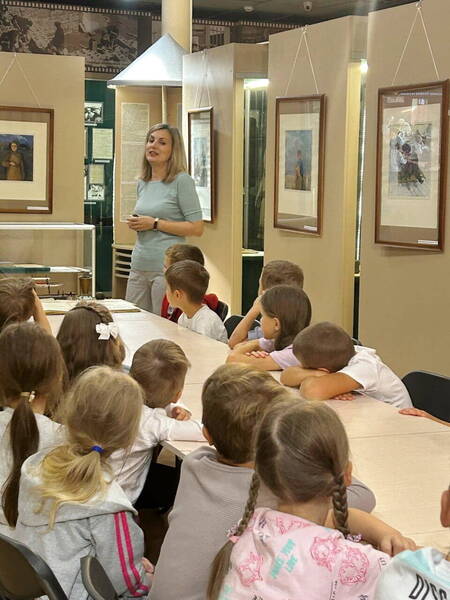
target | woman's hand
x=140, y=223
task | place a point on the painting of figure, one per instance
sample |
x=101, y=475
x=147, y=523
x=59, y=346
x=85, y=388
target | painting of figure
x=298, y=148
x=16, y=157
x=410, y=158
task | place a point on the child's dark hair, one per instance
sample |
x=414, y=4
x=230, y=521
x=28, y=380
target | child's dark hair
x=302, y=453
x=31, y=365
x=16, y=300
x=323, y=346
x=160, y=367
x=292, y=308
x=234, y=398
x=179, y=252
x=190, y=277
x=80, y=343
x=281, y=272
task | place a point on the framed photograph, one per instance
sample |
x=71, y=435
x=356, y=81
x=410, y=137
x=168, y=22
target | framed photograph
x=201, y=158
x=412, y=165
x=26, y=159
x=93, y=113
x=299, y=161
x=96, y=191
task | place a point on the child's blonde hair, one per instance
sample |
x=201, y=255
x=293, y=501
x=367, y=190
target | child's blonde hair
x=160, y=366
x=80, y=343
x=234, y=399
x=291, y=306
x=302, y=453
x=16, y=300
x=101, y=414
x=31, y=365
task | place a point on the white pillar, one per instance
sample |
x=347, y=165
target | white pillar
x=176, y=19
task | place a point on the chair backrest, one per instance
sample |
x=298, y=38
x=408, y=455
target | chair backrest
x=357, y=342
x=430, y=392
x=232, y=322
x=96, y=581
x=24, y=575
x=222, y=310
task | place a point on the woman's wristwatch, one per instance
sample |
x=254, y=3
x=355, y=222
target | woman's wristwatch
x=155, y=223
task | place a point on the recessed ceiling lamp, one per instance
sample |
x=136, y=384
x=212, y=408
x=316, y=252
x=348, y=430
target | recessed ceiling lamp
x=249, y=8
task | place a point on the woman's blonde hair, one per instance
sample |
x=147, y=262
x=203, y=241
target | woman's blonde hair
x=302, y=453
x=80, y=343
x=177, y=161
x=101, y=414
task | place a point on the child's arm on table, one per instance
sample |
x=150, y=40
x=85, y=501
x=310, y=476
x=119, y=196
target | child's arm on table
x=376, y=532
x=39, y=314
x=240, y=333
x=294, y=376
x=247, y=353
x=328, y=386
x=416, y=412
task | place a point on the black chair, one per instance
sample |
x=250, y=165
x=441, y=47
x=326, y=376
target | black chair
x=430, y=392
x=24, y=575
x=96, y=581
x=222, y=310
x=232, y=322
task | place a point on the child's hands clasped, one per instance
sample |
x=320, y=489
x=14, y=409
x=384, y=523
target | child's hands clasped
x=257, y=354
x=180, y=414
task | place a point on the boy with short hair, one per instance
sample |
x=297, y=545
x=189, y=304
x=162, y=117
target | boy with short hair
x=174, y=254
x=160, y=367
x=275, y=272
x=187, y=282
x=19, y=302
x=333, y=366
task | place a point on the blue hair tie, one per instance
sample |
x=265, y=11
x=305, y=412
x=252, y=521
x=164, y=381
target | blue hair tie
x=98, y=449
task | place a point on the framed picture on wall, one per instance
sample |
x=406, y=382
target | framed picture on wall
x=201, y=158
x=299, y=163
x=26, y=159
x=412, y=165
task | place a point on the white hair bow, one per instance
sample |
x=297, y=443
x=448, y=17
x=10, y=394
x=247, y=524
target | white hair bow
x=106, y=330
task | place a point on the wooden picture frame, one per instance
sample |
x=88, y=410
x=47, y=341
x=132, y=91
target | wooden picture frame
x=201, y=158
x=26, y=160
x=411, y=183
x=299, y=163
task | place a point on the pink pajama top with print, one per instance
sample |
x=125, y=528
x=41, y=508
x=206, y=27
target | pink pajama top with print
x=284, y=557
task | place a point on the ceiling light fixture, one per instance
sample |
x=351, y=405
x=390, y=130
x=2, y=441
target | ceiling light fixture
x=249, y=8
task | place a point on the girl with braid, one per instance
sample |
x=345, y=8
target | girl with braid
x=32, y=374
x=88, y=337
x=299, y=550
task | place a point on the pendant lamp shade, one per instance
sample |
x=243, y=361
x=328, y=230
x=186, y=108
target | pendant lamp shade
x=161, y=64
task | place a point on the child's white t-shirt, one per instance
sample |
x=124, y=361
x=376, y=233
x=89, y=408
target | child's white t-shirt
x=206, y=322
x=376, y=379
x=423, y=574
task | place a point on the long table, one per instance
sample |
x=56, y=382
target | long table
x=404, y=460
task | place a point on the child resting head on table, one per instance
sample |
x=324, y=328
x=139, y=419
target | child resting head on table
x=70, y=504
x=31, y=386
x=300, y=549
x=174, y=254
x=285, y=310
x=214, y=481
x=88, y=337
x=332, y=366
x=275, y=272
x=187, y=282
x=19, y=302
x=160, y=367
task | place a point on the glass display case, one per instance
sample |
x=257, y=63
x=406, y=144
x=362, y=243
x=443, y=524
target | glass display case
x=60, y=257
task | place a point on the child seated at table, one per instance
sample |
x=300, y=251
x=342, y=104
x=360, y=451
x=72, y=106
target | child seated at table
x=88, y=337
x=275, y=272
x=172, y=255
x=160, y=367
x=215, y=481
x=285, y=310
x=187, y=282
x=420, y=575
x=333, y=366
x=19, y=302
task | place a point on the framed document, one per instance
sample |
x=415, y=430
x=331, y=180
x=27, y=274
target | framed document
x=201, y=158
x=412, y=165
x=299, y=162
x=26, y=159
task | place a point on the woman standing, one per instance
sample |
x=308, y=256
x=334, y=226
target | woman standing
x=167, y=210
